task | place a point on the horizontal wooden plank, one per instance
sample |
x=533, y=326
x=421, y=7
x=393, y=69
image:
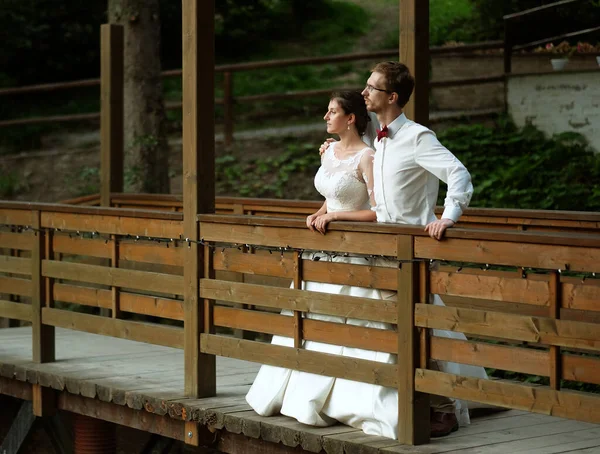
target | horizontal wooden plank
x=495, y=306
x=15, y=311
x=551, y=257
x=581, y=295
x=476, y=285
x=113, y=224
x=81, y=246
x=300, y=238
x=564, y=404
x=22, y=217
x=150, y=333
x=312, y=330
x=257, y=321
x=141, y=280
x=151, y=253
x=379, y=277
x=380, y=340
x=581, y=368
x=129, y=302
x=261, y=264
x=562, y=333
x=520, y=309
x=524, y=360
x=299, y=359
x=15, y=265
x=15, y=286
x=21, y=241
x=300, y=300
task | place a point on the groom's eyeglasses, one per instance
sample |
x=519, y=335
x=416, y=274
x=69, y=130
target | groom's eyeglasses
x=370, y=89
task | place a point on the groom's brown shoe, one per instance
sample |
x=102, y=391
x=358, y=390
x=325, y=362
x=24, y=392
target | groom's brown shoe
x=443, y=424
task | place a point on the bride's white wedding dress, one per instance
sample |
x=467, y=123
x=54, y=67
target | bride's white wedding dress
x=319, y=400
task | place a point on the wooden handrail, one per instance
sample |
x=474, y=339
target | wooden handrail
x=538, y=9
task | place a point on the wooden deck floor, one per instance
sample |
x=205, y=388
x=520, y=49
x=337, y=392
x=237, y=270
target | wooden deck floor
x=149, y=378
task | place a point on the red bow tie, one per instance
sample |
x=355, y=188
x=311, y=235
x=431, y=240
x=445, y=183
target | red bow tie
x=382, y=133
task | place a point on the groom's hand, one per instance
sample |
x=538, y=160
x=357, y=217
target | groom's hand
x=323, y=148
x=437, y=228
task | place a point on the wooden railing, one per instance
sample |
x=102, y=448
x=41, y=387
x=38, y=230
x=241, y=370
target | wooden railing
x=522, y=19
x=534, y=294
x=229, y=100
x=542, y=321
x=494, y=218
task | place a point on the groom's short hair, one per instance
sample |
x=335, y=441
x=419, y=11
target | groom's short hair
x=398, y=79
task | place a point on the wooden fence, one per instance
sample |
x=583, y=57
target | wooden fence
x=229, y=100
x=534, y=294
x=495, y=218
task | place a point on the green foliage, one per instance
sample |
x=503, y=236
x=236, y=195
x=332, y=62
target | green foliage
x=9, y=185
x=449, y=20
x=282, y=176
x=84, y=182
x=522, y=168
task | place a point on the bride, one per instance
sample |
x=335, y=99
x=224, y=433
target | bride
x=345, y=180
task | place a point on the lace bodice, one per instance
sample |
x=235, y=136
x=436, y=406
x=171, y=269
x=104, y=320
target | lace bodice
x=346, y=184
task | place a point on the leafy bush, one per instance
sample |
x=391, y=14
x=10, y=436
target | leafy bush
x=523, y=168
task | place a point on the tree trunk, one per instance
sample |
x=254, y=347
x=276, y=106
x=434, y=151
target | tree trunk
x=146, y=146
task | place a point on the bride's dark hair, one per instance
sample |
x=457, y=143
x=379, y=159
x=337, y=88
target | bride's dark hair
x=352, y=102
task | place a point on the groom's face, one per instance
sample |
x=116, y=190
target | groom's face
x=375, y=93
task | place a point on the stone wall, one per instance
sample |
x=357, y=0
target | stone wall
x=491, y=95
x=557, y=102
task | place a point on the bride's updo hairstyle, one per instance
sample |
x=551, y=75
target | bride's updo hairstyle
x=352, y=102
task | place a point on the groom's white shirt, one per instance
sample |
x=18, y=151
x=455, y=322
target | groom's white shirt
x=407, y=167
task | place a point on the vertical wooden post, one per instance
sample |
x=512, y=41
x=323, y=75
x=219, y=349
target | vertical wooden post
x=49, y=255
x=209, y=273
x=555, y=369
x=424, y=291
x=115, y=291
x=111, y=111
x=298, y=286
x=42, y=335
x=198, y=180
x=414, y=53
x=12, y=323
x=413, y=407
x=228, y=106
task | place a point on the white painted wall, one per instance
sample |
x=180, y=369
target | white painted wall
x=557, y=102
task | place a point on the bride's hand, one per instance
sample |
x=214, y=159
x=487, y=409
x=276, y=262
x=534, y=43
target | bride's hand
x=323, y=148
x=321, y=222
x=310, y=221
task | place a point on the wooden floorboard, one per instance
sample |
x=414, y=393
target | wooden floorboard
x=150, y=378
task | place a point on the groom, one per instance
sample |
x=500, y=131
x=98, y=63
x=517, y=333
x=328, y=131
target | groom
x=409, y=162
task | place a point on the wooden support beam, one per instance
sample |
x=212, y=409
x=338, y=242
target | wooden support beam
x=44, y=401
x=18, y=430
x=43, y=339
x=413, y=407
x=198, y=180
x=111, y=110
x=414, y=53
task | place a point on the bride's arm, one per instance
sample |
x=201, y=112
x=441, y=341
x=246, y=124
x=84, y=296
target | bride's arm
x=310, y=220
x=321, y=222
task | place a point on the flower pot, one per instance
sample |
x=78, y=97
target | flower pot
x=558, y=64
